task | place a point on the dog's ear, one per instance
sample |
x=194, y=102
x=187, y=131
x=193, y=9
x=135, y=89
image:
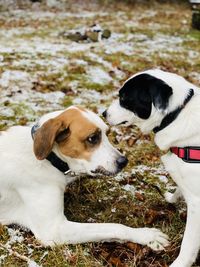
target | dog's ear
x=139, y=92
x=51, y=131
x=160, y=93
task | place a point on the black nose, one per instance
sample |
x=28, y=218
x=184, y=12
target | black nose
x=104, y=114
x=121, y=162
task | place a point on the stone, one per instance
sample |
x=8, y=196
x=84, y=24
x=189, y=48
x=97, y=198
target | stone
x=92, y=36
x=106, y=33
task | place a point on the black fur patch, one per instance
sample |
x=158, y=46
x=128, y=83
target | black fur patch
x=170, y=117
x=138, y=94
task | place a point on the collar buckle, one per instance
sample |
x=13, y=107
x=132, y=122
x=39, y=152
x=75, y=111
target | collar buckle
x=186, y=154
x=67, y=172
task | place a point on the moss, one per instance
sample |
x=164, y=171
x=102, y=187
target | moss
x=194, y=34
x=67, y=101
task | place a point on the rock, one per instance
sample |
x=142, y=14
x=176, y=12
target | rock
x=76, y=37
x=106, y=33
x=93, y=36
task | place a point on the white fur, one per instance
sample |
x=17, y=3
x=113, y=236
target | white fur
x=184, y=131
x=31, y=192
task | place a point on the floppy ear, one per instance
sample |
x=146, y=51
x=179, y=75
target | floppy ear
x=160, y=93
x=51, y=131
x=138, y=94
x=142, y=103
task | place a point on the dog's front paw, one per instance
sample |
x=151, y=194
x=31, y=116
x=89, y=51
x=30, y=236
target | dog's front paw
x=155, y=239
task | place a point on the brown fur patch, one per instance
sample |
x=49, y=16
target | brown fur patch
x=75, y=145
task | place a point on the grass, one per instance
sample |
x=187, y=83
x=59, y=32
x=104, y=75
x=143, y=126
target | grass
x=99, y=200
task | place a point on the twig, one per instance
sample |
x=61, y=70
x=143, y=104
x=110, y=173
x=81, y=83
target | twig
x=16, y=254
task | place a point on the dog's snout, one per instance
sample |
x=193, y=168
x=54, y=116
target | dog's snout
x=104, y=114
x=121, y=162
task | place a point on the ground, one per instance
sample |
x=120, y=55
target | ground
x=42, y=70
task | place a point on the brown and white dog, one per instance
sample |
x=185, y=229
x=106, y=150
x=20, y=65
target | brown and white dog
x=167, y=104
x=32, y=180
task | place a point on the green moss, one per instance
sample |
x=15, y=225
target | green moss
x=194, y=34
x=67, y=101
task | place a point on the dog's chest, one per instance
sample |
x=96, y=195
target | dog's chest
x=185, y=175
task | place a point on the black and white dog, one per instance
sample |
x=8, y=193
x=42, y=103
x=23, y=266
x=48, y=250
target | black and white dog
x=170, y=106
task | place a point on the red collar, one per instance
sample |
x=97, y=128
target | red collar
x=190, y=154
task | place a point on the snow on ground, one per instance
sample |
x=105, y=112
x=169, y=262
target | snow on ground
x=34, y=54
x=99, y=76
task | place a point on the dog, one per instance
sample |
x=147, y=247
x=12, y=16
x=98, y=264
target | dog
x=35, y=168
x=168, y=105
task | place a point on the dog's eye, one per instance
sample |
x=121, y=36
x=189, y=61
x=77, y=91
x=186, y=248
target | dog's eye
x=94, y=139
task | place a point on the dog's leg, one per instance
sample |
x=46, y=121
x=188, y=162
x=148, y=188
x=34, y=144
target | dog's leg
x=73, y=233
x=45, y=218
x=191, y=239
x=173, y=197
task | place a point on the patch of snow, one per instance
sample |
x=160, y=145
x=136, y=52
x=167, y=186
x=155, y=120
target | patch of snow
x=80, y=62
x=99, y=59
x=155, y=170
x=90, y=96
x=41, y=15
x=161, y=43
x=119, y=74
x=121, y=176
x=98, y=76
x=2, y=258
x=163, y=178
x=113, y=210
x=55, y=63
x=53, y=3
x=32, y=263
x=158, y=172
x=30, y=250
x=140, y=142
x=129, y=188
x=6, y=112
x=147, y=14
x=15, y=237
x=33, y=46
x=79, y=47
x=121, y=47
x=193, y=54
x=91, y=220
x=10, y=76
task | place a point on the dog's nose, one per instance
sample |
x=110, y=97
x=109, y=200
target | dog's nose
x=104, y=114
x=121, y=162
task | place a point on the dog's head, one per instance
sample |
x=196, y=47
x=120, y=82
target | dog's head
x=146, y=98
x=78, y=137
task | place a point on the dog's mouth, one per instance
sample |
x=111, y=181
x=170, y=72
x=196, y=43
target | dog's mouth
x=122, y=123
x=102, y=171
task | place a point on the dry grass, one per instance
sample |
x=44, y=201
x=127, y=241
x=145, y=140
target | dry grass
x=146, y=29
